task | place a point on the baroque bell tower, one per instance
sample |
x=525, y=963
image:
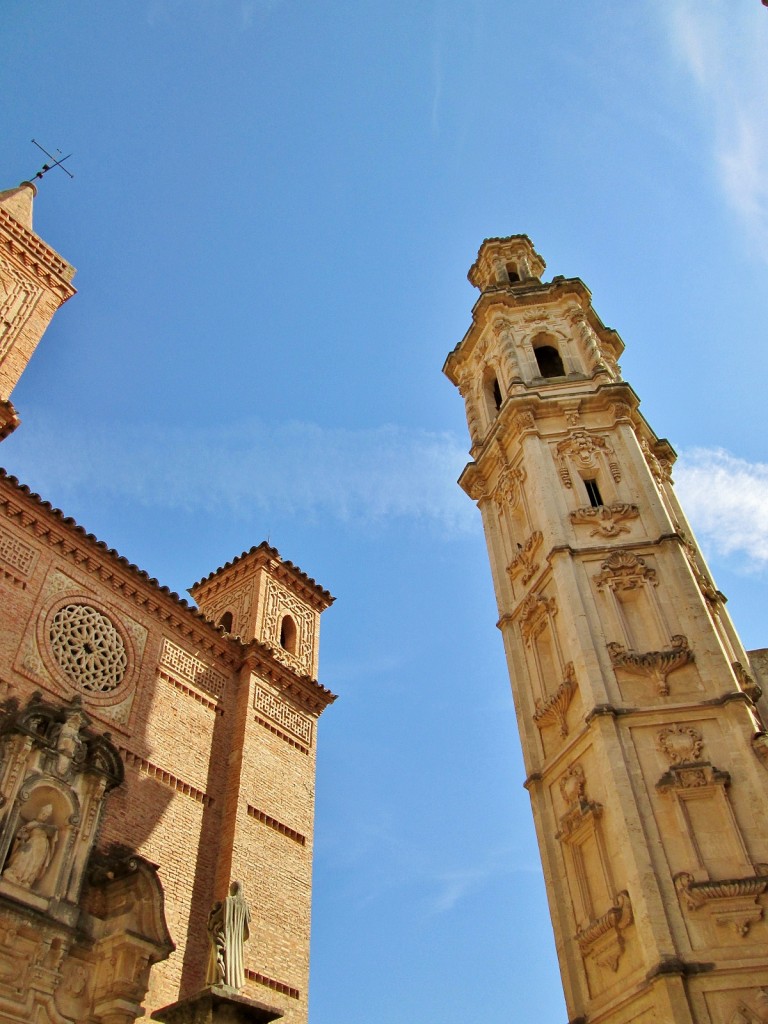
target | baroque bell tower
x=640, y=721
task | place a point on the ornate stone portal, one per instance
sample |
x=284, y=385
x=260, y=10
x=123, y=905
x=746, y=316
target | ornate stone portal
x=627, y=672
x=80, y=929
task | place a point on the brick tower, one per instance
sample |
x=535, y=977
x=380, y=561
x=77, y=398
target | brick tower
x=639, y=718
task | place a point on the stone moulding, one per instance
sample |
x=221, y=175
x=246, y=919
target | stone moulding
x=732, y=901
x=603, y=938
x=606, y=520
x=655, y=665
x=553, y=710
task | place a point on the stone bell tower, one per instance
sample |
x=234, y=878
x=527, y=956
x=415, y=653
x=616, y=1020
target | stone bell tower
x=639, y=718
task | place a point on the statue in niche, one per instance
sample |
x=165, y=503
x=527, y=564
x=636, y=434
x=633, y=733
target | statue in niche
x=33, y=849
x=228, y=931
x=68, y=742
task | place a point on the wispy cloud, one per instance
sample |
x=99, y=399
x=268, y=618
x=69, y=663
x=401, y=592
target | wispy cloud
x=375, y=475
x=723, y=46
x=726, y=499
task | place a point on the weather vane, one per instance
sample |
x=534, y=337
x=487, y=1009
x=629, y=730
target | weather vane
x=58, y=161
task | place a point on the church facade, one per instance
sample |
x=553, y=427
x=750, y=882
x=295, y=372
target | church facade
x=152, y=753
x=641, y=718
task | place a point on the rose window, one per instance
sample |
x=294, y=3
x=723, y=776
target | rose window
x=88, y=648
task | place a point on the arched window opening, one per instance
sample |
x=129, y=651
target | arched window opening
x=288, y=634
x=512, y=273
x=549, y=362
x=226, y=621
x=496, y=394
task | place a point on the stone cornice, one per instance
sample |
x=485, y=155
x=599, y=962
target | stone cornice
x=38, y=517
x=37, y=257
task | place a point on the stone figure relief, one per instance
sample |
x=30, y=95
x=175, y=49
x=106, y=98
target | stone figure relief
x=33, y=848
x=228, y=931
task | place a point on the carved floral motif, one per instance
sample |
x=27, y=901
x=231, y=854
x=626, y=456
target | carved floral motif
x=655, y=665
x=533, y=612
x=681, y=744
x=554, y=709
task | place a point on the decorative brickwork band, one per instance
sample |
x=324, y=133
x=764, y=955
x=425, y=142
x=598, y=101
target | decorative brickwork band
x=277, y=986
x=191, y=668
x=278, y=826
x=167, y=779
x=280, y=734
x=283, y=714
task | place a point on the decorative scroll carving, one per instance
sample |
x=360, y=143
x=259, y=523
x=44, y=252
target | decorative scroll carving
x=509, y=488
x=661, y=468
x=584, y=449
x=594, y=356
x=692, y=775
x=522, y=422
x=681, y=744
x=553, y=711
x=524, y=561
x=623, y=570
x=580, y=810
x=747, y=682
x=603, y=938
x=571, y=411
x=733, y=901
x=533, y=612
x=191, y=668
x=606, y=520
x=655, y=665
x=282, y=713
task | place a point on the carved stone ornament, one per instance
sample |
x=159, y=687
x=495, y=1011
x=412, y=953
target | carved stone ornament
x=525, y=560
x=605, y=520
x=692, y=775
x=88, y=648
x=554, y=710
x=681, y=744
x=623, y=570
x=584, y=450
x=655, y=665
x=474, y=483
x=747, y=682
x=534, y=612
x=522, y=422
x=228, y=930
x=603, y=938
x=509, y=488
x=581, y=812
x=660, y=468
x=754, y=1012
x=733, y=902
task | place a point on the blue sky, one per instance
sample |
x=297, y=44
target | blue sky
x=274, y=209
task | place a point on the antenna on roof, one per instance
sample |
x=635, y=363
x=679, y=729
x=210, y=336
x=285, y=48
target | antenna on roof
x=58, y=161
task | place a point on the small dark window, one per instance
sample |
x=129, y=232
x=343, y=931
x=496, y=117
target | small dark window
x=512, y=273
x=288, y=635
x=549, y=361
x=593, y=493
x=496, y=394
x=226, y=621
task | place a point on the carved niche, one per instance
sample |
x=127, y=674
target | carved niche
x=600, y=932
x=586, y=452
x=721, y=881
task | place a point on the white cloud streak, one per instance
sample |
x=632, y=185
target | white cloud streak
x=723, y=46
x=358, y=476
x=726, y=500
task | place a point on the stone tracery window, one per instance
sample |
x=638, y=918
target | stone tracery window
x=88, y=648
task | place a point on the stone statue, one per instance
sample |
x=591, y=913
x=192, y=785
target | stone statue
x=33, y=849
x=228, y=931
